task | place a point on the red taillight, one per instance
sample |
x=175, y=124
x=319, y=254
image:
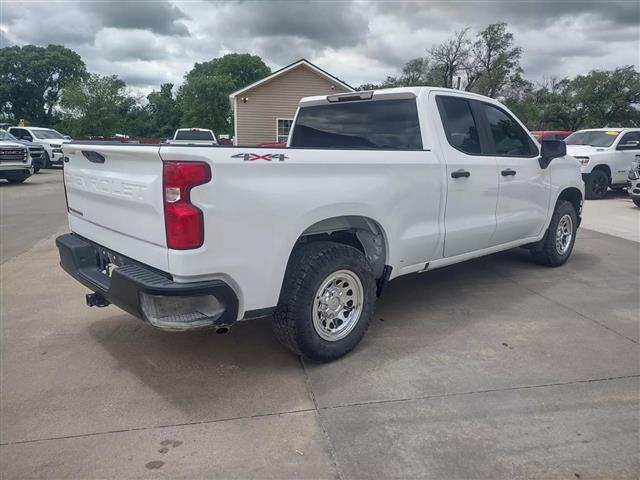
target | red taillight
x=183, y=221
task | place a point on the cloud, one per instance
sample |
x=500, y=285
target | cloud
x=158, y=16
x=361, y=41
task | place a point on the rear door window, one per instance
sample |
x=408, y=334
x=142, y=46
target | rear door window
x=459, y=124
x=372, y=125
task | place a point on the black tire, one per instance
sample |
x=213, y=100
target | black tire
x=47, y=160
x=546, y=253
x=596, y=184
x=36, y=169
x=309, y=266
x=636, y=201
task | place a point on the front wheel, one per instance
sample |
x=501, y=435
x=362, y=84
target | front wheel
x=47, y=160
x=636, y=201
x=327, y=299
x=557, y=244
x=596, y=184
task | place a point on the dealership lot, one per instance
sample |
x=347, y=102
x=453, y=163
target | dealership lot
x=494, y=368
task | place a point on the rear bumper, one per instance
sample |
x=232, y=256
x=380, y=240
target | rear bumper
x=87, y=262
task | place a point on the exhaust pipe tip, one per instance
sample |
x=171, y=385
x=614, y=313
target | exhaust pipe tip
x=222, y=330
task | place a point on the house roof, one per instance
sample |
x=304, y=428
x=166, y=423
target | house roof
x=286, y=69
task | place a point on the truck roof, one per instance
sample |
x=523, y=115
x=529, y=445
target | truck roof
x=396, y=92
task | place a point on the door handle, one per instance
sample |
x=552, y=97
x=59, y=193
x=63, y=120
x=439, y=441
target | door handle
x=507, y=172
x=460, y=173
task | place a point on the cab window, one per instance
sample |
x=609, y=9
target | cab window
x=509, y=138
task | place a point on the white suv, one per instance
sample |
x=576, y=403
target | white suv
x=605, y=157
x=50, y=139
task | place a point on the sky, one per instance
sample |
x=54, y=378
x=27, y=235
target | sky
x=151, y=42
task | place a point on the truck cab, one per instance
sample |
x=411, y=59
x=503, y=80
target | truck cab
x=193, y=136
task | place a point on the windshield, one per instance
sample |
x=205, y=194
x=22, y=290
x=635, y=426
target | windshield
x=47, y=134
x=194, y=135
x=594, y=138
x=6, y=136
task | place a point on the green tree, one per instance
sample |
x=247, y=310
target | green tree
x=494, y=61
x=204, y=96
x=164, y=111
x=96, y=105
x=32, y=78
x=205, y=103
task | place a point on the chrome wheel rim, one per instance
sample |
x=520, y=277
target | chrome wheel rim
x=564, y=234
x=337, y=305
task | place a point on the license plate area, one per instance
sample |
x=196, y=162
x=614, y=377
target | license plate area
x=108, y=261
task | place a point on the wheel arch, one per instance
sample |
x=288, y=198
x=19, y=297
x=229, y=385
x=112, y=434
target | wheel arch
x=358, y=231
x=573, y=195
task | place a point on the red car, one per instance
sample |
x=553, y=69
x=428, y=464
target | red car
x=550, y=134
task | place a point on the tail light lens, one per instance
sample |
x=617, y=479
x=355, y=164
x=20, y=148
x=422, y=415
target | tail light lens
x=183, y=221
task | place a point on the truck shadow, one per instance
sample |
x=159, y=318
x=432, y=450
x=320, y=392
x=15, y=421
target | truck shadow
x=205, y=374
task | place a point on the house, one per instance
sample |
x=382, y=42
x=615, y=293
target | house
x=264, y=110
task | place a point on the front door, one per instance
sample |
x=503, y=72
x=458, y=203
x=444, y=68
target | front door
x=472, y=178
x=525, y=192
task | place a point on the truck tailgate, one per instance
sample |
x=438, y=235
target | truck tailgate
x=114, y=196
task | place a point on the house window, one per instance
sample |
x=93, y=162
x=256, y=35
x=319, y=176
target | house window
x=283, y=127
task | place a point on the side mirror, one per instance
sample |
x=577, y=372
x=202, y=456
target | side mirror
x=630, y=145
x=551, y=149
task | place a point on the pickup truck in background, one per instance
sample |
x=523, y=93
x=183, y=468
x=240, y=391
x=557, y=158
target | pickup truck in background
x=605, y=156
x=371, y=186
x=15, y=161
x=51, y=140
x=193, y=136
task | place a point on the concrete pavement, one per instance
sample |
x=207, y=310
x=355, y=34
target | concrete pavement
x=496, y=368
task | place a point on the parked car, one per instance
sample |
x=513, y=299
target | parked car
x=51, y=140
x=540, y=135
x=193, y=136
x=634, y=181
x=36, y=152
x=274, y=145
x=15, y=162
x=372, y=186
x=605, y=157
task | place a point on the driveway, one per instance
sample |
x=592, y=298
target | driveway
x=495, y=368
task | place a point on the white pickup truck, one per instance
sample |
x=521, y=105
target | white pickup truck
x=372, y=186
x=193, y=136
x=605, y=156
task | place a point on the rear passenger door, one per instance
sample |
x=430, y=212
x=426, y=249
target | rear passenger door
x=524, y=192
x=472, y=178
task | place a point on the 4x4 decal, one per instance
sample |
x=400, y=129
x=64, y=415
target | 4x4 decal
x=268, y=157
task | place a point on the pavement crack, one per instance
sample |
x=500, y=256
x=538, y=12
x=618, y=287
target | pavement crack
x=332, y=450
x=476, y=392
x=154, y=427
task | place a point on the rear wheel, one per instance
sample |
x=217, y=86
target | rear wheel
x=557, y=244
x=328, y=297
x=596, y=185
